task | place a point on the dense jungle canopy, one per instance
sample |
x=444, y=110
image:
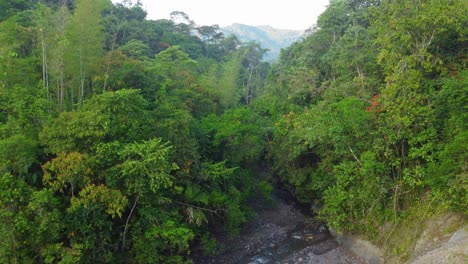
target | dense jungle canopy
x=126, y=140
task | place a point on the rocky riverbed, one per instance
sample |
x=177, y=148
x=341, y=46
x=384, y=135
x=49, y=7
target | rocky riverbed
x=281, y=233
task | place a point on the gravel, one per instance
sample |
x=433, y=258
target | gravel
x=280, y=234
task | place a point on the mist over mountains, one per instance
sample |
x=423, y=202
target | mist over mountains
x=270, y=38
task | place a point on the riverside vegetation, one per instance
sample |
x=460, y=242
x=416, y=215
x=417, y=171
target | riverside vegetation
x=128, y=140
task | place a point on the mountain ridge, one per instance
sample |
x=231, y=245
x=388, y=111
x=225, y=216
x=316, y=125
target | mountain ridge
x=267, y=36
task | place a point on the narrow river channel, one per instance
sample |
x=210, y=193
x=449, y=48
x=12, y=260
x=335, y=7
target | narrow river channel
x=282, y=233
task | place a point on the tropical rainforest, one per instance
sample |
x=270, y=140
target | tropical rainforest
x=127, y=140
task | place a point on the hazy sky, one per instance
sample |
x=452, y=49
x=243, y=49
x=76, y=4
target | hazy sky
x=289, y=14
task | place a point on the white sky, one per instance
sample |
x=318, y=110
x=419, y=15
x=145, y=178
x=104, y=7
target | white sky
x=289, y=14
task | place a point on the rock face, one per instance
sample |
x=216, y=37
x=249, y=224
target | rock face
x=433, y=245
x=454, y=251
x=269, y=37
x=363, y=248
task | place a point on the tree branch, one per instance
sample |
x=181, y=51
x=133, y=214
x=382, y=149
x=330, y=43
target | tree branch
x=352, y=153
x=126, y=223
x=201, y=208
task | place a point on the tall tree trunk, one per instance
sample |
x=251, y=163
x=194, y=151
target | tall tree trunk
x=248, y=90
x=114, y=39
x=45, y=73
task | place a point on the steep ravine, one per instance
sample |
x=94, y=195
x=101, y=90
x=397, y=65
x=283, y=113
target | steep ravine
x=281, y=233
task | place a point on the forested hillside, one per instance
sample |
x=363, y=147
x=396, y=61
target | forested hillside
x=126, y=140
x=268, y=37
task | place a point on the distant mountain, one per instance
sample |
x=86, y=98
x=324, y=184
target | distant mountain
x=269, y=37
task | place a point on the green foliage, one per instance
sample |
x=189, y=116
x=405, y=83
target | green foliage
x=10, y=8
x=145, y=166
x=19, y=155
x=67, y=171
x=178, y=126
x=330, y=133
x=175, y=69
x=94, y=197
x=26, y=109
x=265, y=188
x=135, y=49
x=14, y=222
x=235, y=136
x=228, y=84
x=31, y=222
x=112, y=115
x=17, y=59
x=447, y=172
x=165, y=242
x=370, y=111
x=74, y=131
x=125, y=73
x=357, y=197
x=95, y=172
x=125, y=139
x=85, y=43
x=209, y=245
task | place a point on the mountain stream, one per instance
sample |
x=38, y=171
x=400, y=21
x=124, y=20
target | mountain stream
x=281, y=233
